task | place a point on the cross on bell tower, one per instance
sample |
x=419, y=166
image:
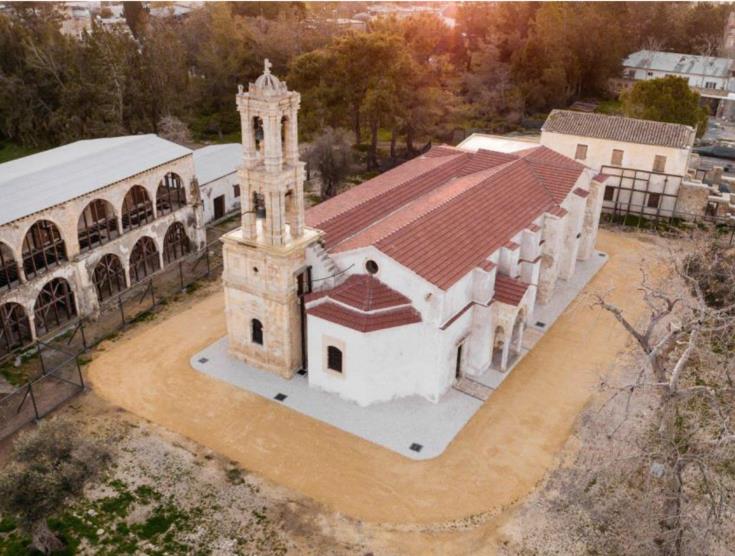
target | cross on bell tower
x=272, y=175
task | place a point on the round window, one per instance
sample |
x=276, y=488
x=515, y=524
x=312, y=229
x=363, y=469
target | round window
x=371, y=266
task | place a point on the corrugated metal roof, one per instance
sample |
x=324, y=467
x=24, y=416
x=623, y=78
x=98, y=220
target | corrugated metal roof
x=619, y=128
x=216, y=161
x=679, y=63
x=48, y=178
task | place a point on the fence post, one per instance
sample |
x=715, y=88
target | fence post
x=122, y=311
x=207, y=254
x=84, y=337
x=33, y=400
x=40, y=356
x=79, y=370
x=181, y=274
x=153, y=295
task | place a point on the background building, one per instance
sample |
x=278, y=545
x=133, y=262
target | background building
x=216, y=169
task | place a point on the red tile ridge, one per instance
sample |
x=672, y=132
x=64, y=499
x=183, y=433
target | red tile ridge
x=512, y=245
x=509, y=290
x=487, y=265
x=363, y=322
x=581, y=192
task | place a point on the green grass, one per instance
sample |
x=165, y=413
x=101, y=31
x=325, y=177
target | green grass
x=10, y=151
x=610, y=107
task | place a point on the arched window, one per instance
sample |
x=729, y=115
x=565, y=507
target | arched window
x=43, y=248
x=97, y=225
x=108, y=276
x=170, y=195
x=334, y=359
x=137, y=209
x=54, y=306
x=256, y=331
x=284, y=134
x=8, y=269
x=15, y=328
x=259, y=205
x=176, y=243
x=144, y=259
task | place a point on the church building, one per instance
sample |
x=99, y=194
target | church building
x=409, y=282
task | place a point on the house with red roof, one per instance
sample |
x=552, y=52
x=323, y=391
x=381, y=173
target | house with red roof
x=409, y=282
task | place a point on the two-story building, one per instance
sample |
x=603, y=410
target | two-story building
x=82, y=222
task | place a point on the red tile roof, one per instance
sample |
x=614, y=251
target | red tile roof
x=509, y=290
x=365, y=322
x=487, y=266
x=445, y=212
x=366, y=293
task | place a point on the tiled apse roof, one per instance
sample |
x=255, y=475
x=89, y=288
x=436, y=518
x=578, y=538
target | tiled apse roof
x=619, y=128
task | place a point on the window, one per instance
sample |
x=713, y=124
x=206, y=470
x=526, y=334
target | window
x=170, y=194
x=259, y=205
x=54, y=306
x=8, y=268
x=650, y=74
x=108, y=276
x=175, y=243
x=654, y=199
x=581, y=153
x=609, y=193
x=15, y=328
x=256, y=332
x=97, y=225
x=144, y=259
x=659, y=163
x=137, y=208
x=334, y=359
x=617, y=157
x=236, y=190
x=710, y=85
x=43, y=248
x=371, y=266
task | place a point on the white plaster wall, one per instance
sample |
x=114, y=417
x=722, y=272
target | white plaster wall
x=215, y=188
x=599, y=152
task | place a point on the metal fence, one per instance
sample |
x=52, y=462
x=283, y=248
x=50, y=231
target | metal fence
x=678, y=225
x=53, y=363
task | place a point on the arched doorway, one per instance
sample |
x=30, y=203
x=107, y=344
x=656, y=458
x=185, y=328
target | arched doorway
x=15, y=328
x=144, y=259
x=176, y=243
x=43, y=248
x=516, y=341
x=54, y=306
x=108, y=276
x=498, y=348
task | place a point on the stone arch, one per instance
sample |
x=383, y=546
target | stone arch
x=108, y=276
x=15, y=327
x=516, y=338
x=55, y=306
x=43, y=248
x=176, y=243
x=137, y=208
x=170, y=195
x=144, y=259
x=9, y=275
x=97, y=224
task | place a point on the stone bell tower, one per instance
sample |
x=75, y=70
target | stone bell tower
x=264, y=259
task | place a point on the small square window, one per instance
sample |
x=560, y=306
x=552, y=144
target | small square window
x=334, y=359
x=416, y=447
x=609, y=193
x=617, y=157
x=659, y=163
x=581, y=153
x=280, y=397
x=654, y=200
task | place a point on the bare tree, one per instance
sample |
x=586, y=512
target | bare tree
x=687, y=368
x=331, y=155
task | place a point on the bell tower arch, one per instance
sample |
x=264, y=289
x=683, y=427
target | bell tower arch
x=265, y=259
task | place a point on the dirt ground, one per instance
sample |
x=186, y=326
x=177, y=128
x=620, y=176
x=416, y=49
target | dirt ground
x=454, y=504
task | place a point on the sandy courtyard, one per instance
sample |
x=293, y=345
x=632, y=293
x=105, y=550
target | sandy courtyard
x=494, y=462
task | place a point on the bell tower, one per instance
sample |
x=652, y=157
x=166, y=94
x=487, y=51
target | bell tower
x=264, y=259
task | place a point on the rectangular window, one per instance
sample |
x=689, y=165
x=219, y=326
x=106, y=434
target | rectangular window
x=334, y=359
x=710, y=85
x=659, y=163
x=654, y=199
x=617, y=157
x=609, y=193
x=581, y=153
x=236, y=190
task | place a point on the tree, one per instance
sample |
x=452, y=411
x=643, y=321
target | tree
x=668, y=99
x=48, y=465
x=331, y=155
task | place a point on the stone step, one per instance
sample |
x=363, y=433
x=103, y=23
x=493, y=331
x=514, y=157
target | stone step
x=473, y=388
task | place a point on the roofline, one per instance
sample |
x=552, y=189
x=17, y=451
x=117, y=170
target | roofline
x=94, y=190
